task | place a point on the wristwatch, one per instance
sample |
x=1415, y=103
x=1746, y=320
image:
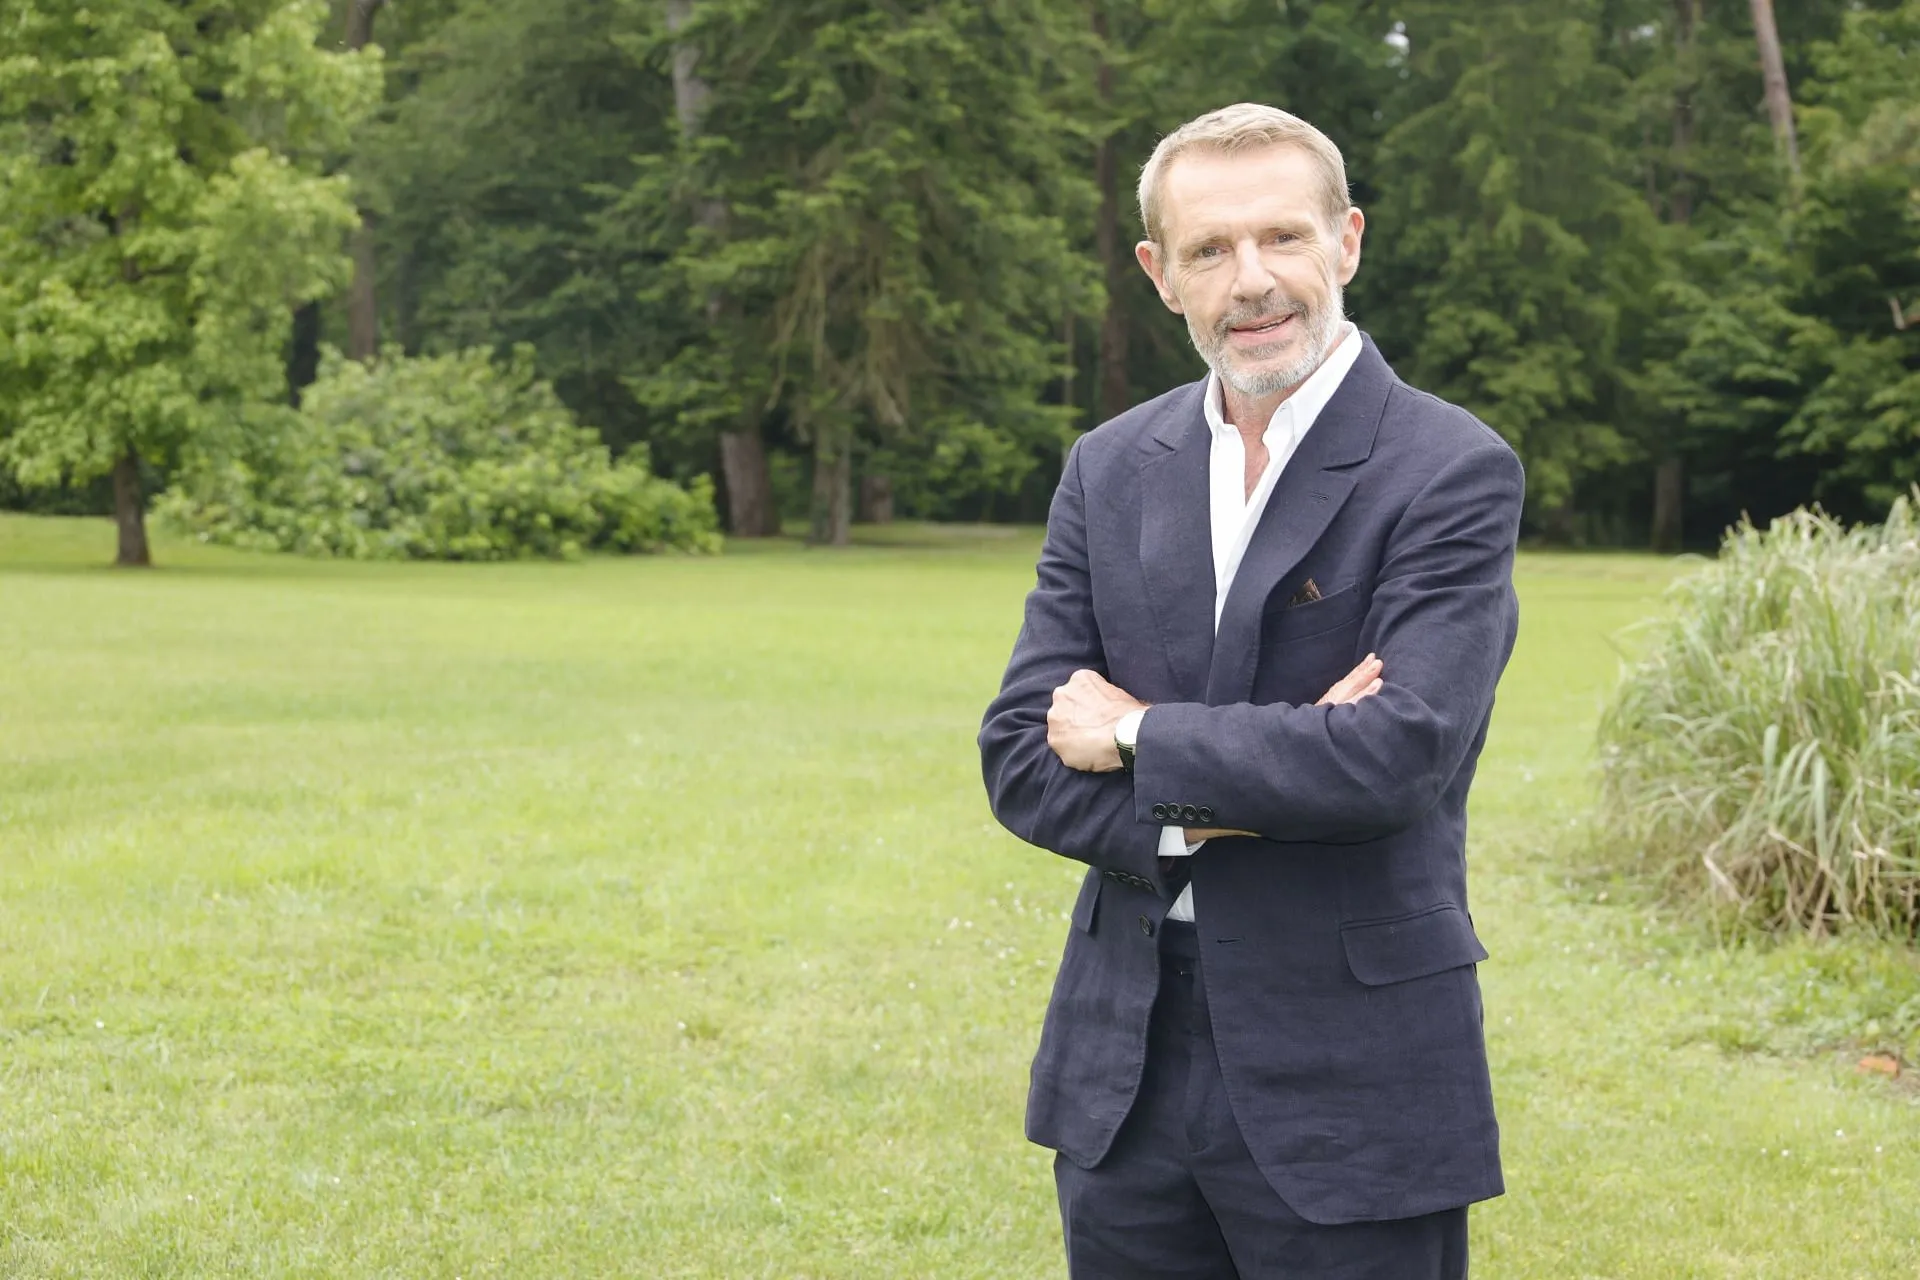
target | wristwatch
x=1126, y=734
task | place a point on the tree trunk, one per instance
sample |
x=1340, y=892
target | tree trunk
x=130, y=513
x=363, y=311
x=1669, y=498
x=1112, y=394
x=1686, y=19
x=1560, y=525
x=744, y=469
x=1773, y=73
x=832, y=491
x=303, y=354
x=876, y=499
x=690, y=92
x=749, y=484
x=363, y=308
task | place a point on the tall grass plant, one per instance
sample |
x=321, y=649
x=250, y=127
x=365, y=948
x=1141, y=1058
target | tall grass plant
x=1763, y=753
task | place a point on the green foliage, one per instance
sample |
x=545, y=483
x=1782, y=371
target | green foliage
x=1765, y=752
x=160, y=214
x=1516, y=246
x=893, y=260
x=1859, y=239
x=453, y=457
x=509, y=129
x=902, y=233
x=1780, y=365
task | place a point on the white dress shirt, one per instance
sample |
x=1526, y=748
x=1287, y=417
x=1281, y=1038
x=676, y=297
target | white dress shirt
x=1235, y=513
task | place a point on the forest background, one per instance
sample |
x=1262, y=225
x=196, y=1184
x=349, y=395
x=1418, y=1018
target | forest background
x=866, y=259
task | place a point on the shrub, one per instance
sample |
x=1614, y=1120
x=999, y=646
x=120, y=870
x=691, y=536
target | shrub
x=455, y=457
x=1765, y=752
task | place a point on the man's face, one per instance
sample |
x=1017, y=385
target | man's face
x=1249, y=259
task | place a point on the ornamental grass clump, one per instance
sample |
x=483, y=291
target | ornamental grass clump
x=1763, y=755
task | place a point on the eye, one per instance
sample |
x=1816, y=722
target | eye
x=1285, y=237
x=1207, y=251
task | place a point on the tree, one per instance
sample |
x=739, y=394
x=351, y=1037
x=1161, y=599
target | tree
x=154, y=233
x=498, y=172
x=894, y=255
x=1516, y=248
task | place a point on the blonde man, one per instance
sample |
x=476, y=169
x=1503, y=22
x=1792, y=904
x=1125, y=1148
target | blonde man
x=1254, y=679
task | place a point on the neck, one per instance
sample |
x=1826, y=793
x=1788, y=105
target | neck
x=1251, y=414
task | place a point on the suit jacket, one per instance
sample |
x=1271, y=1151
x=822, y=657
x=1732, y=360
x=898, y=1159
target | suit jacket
x=1338, y=952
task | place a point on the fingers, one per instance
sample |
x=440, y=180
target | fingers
x=1362, y=682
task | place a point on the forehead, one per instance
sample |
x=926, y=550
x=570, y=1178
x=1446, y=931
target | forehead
x=1204, y=192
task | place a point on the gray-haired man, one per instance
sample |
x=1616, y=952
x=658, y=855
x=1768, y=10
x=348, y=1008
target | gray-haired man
x=1254, y=679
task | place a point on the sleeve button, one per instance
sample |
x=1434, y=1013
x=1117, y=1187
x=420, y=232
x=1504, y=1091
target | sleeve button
x=1206, y=813
x=1189, y=813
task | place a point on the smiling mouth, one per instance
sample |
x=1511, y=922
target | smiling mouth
x=1262, y=327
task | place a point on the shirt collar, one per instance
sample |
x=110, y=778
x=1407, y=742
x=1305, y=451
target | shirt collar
x=1307, y=400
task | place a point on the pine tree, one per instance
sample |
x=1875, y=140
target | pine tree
x=1510, y=238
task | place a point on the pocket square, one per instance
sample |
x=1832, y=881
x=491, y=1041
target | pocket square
x=1309, y=592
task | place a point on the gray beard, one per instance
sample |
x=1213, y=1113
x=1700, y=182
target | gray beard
x=1322, y=327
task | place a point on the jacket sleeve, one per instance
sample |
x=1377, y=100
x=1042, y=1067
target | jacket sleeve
x=1088, y=817
x=1442, y=618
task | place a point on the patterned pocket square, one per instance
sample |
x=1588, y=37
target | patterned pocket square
x=1307, y=594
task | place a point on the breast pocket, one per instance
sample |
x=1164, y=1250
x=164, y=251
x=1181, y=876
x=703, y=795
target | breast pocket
x=1304, y=648
x=1284, y=622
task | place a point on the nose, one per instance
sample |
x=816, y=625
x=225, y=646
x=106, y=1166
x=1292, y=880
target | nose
x=1251, y=277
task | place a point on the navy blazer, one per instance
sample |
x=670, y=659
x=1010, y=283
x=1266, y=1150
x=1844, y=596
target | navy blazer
x=1338, y=952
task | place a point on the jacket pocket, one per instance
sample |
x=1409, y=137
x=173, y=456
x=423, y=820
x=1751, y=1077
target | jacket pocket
x=1432, y=941
x=1283, y=622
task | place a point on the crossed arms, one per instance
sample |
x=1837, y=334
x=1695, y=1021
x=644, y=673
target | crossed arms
x=1346, y=769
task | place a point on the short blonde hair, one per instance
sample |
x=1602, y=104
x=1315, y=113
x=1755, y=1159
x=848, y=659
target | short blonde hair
x=1244, y=126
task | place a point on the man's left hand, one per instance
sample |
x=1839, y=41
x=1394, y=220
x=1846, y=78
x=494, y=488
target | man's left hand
x=1080, y=726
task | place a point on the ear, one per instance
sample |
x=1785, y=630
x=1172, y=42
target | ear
x=1353, y=228
x=1152, y=261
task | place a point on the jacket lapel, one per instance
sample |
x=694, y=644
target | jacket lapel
x=1305, y=499
x=1176, y=538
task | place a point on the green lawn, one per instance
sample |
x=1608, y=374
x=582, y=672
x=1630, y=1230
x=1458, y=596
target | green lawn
x=645, y=918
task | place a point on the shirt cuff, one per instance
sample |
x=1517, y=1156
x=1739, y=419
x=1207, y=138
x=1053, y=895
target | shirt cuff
x=1173, y=843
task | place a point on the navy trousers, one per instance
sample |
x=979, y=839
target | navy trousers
x=1179, y=1196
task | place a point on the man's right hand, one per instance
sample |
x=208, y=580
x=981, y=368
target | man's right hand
x=1361, y=682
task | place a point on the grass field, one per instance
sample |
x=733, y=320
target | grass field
x=644, y=918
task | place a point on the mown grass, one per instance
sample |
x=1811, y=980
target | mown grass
x=644, y=918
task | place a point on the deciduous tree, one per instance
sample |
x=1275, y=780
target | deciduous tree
x=154, y=232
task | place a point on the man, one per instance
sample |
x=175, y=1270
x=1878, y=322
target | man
x=1251, y=688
